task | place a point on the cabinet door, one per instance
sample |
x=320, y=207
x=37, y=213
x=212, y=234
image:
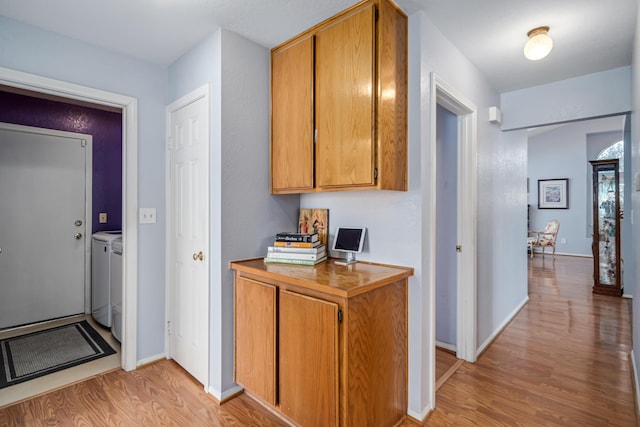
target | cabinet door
x=292, y=118
x=345, y=71
x=255, y=339
x=308, y=361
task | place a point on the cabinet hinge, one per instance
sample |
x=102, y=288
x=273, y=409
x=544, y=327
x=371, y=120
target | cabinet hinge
x=340, y=316
x=375, y=173
x=168, y=327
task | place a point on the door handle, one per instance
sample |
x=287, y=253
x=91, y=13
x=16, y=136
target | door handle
x=198, y=257
x=77, y=236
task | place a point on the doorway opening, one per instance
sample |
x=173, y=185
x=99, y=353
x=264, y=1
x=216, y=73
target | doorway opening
x=452, y=181
x=128, y=106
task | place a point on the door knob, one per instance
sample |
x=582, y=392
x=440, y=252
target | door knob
x=77, y=236
x=198, y=257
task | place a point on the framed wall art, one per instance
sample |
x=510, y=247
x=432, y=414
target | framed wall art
x=553, y=193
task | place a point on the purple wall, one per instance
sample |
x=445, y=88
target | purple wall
x=106, y=128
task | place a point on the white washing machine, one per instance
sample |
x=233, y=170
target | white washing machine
x=116, y=287
x=101, y=275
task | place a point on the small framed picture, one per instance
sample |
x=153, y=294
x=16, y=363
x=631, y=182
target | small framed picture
x=553, y=193
x=315, y=221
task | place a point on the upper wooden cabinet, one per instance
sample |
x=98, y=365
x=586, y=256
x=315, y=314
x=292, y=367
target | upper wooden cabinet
x=339, y=104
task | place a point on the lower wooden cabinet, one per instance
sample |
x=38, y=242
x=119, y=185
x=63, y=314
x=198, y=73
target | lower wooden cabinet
x=255, y=332
x=308, y=359
x=323, y=345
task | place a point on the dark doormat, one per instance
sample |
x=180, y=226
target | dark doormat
x=33, y=355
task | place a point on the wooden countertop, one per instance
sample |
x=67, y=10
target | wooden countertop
x=328, y=277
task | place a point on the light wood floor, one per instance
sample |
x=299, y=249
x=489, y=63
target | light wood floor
x=446, y=365
x=561, y=362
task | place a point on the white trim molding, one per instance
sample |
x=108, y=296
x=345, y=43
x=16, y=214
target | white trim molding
x=501, y=327
x=636, y=385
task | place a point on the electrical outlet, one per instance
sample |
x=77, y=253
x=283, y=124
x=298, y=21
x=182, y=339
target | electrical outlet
x=147, y=216
x=102, y=218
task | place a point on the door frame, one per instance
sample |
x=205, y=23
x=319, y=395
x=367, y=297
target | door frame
x=441, y=93
x=195, y=95
x=129, y=106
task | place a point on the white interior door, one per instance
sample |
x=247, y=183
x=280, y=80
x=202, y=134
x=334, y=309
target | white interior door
x=188, y=275
x=43, y=226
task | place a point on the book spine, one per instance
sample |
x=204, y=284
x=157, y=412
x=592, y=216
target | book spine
x=288, y=249
x=293, y=261
x=291, y=255
x=294, y=244
x=295, y=238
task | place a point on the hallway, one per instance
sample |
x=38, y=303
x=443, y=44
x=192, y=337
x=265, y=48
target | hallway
x=563, y=360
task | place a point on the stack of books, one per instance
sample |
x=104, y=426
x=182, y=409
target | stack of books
x=297, y=248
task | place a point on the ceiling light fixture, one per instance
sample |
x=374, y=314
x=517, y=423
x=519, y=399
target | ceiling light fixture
x=539, y=44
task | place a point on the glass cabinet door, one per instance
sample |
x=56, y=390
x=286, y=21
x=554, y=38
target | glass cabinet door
x=606, y=228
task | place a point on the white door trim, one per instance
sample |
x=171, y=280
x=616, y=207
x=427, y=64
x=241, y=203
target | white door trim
x=129, y=108
x=443, y=94
x=195, y=95
x=88, y=194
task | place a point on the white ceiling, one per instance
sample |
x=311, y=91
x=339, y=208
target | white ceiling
x=589, y=35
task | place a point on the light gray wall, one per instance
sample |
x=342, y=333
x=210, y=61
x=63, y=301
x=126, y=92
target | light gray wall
x=589, y=96
x=32, y=50
x=562, y=153
x=244, y=216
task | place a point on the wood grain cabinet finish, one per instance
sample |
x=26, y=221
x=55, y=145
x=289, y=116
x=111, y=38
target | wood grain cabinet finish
x=339, y=104
x=292, y=126
x=340, y=341
x=255, y=330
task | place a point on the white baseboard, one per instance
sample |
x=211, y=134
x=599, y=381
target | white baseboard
x=562, y=254
x=636, y=385
x=419, y=416
x=150, y=359
x=576, y=255
x=446, y=346
x=499, y=329
x=225, y=395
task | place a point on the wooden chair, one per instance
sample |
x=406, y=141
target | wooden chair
x=544, y=239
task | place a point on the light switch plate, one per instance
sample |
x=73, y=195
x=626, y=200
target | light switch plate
x=147, y=216
x=102, y=218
